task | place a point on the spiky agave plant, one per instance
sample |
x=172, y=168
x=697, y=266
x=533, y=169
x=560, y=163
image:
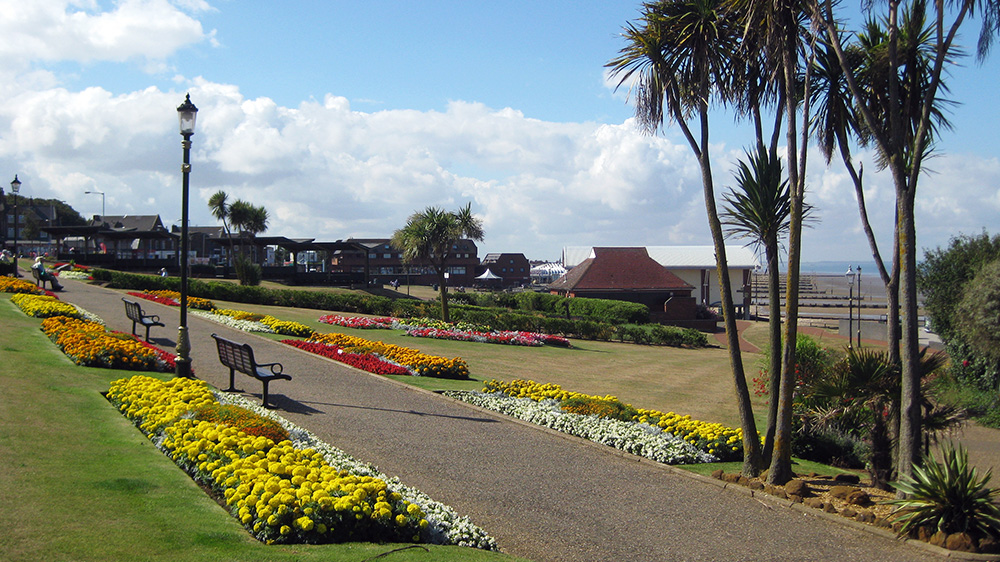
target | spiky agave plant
x=948, y=496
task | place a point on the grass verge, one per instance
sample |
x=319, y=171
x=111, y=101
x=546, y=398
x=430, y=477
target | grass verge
x=81, y=483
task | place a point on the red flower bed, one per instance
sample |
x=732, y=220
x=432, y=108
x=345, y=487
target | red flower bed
x=154, y=298
x=363, y=361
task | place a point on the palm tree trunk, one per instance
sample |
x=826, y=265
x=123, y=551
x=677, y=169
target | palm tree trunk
x=751, y=441
x=774, y=330
x=780, y=470
x=909, y=422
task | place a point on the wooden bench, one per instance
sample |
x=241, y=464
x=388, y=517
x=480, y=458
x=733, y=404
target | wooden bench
x=39, y=282
x=135, y=314
x=239, y=357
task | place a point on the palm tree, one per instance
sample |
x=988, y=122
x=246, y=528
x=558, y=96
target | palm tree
x=681, y=57
x=219, y=205
x=782, y=39
x=250, y=220
x=432, y=235
x=759, y=209
x=901, y=127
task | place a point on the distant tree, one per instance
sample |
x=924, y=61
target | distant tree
x=218, y=203
x=249, y=220
x=431, y=235
x=979, y=312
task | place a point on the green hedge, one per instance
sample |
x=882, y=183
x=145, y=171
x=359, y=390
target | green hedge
x=601, y=310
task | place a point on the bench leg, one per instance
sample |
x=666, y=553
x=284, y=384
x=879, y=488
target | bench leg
x=264, y=400
x=133, y=329
x=147, y=334
x=232, y=381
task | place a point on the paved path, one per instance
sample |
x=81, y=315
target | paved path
x=542, y=495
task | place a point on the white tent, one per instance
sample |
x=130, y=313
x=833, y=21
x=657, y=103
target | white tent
x=489, y=275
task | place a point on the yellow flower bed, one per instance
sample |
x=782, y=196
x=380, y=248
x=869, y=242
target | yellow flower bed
x=239, y=314
x=15, y=285
x=90, y=344
x=278, y=492
x=421, y=363
x=42, y=306
x=287, y=327
x=713, y=438
x=193, y=302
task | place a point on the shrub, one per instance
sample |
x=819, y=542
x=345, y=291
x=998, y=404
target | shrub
x=830, y=448
x=948, y=496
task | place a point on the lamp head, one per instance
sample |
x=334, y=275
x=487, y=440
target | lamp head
x=849, y=275
x=187, y=113
x=15, y=185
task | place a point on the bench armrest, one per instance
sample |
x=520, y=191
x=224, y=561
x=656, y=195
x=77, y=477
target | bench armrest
x=276, y=368
x=153, y=317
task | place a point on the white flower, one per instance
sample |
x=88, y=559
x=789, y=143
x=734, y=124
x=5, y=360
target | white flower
x=633, y=437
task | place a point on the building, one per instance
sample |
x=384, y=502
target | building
x=514, y=270
x=384, y=263
x=696, y=266
x=630, y=274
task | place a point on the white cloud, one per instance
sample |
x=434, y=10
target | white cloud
x=326, y=171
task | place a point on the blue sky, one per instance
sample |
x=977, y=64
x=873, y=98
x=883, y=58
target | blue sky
x=342, y=118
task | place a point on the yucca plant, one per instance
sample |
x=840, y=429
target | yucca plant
x=948, y=496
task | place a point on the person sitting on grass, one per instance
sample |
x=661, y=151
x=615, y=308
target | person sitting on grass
x=46, y=275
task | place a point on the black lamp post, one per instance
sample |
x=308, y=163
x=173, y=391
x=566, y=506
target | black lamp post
x=15, y=186
x=187, y=113
x=850, y=307
x=859, y=306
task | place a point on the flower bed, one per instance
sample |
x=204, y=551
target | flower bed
x=359, y=322
x=88, y=343
x=294, y=491
x=632, y=437
x=15, y=285
x=44, y=306
x=173, y=298
x=244, y=324
x=428, y=328
x=363, y=361
x=723, y=442
x=419, y=364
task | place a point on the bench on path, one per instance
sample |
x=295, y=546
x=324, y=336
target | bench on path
x=39, y=282
x=135, y=314
x=239, y=357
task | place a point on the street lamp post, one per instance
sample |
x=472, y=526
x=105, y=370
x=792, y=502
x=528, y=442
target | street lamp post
x=187, y=113
x=850, y=307
x=859, y=306
x=101, y=193
x=15, y=186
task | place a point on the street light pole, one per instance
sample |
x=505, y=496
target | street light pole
x=187, y=113
x=859, y=307
x=101, y=193
x=15, y=186
x=850, y=307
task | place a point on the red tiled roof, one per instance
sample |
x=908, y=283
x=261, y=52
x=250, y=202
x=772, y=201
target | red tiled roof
x=623, y=269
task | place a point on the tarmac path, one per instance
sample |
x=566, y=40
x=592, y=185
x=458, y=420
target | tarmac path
x=544, y=496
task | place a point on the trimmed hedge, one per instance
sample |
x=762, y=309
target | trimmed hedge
x=601, y=310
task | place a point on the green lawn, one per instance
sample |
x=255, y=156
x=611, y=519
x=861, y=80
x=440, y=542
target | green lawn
x=81, y=483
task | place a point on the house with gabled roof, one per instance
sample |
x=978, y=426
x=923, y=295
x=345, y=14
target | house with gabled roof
x=696, y=266
x=630, y=274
